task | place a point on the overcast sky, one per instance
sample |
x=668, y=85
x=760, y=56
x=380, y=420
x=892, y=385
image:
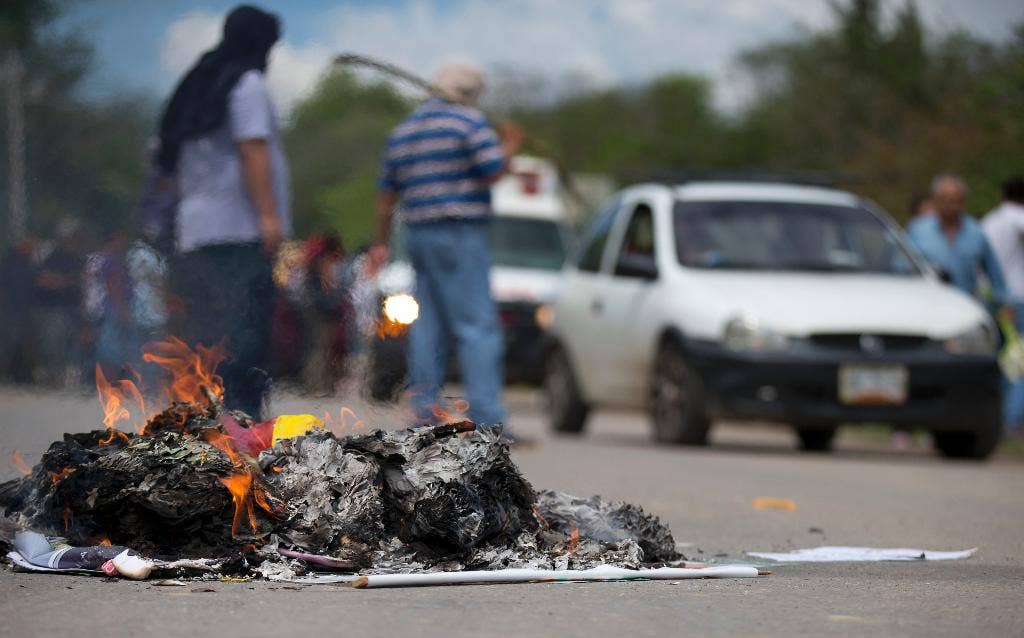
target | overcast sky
x=144, y=45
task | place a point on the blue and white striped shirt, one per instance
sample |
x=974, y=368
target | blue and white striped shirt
x=440, y=161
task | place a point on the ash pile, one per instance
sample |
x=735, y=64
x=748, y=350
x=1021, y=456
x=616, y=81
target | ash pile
x=200, y=482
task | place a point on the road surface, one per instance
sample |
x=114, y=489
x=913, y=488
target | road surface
x=860, y=495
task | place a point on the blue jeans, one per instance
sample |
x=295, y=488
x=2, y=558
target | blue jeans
x=452, y=261
x=1013, y=391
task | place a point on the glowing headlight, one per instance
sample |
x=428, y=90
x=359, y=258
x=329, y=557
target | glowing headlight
x=745, y=335
x=544, y=316
x=979, y=340
x=401, y=309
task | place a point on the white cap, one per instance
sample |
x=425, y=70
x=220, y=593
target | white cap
x=459, y=83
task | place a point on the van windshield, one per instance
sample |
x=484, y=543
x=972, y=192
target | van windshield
x=754, y=235
x=520, y=242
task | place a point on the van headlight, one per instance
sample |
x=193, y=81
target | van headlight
x=401, y=309
x=743, y=334
x=544, y=316
x=979, y=340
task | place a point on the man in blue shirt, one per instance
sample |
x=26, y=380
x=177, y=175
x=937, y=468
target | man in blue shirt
x=954, y=241
x=438, y=168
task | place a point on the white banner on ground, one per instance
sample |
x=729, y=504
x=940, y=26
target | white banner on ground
x=860, y=554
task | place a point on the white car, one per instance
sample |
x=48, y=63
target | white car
x=767, y=301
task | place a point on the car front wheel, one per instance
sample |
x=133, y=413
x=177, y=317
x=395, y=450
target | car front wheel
x=566, y=408
x=816, y=439
x=678, y=406
x=977, y=444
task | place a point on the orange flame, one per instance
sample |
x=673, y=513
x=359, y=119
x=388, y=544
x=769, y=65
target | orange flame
x=346, y=423
x=114, y=400
x=574, y=540
x=105, y=541
x=225, y=444
x=19, y=463
x=192, y=372
x=244, y=491
x=57, y=477
x=390, y=329
x=67, y=518
x=456, y=411
x=238, y=485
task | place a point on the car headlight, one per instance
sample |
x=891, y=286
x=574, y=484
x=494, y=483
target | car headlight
x=745, y=335
x=544, y=316
x=401, y=309
x=979, y=340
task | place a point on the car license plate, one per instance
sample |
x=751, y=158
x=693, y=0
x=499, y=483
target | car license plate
x=861, y=384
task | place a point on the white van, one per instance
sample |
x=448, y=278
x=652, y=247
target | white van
x=530, y=242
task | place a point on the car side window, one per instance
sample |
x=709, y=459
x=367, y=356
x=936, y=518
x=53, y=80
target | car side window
x=636, y=254
x=596, y=237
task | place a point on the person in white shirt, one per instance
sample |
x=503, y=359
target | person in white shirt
x=1004, y=228
x=220, y=140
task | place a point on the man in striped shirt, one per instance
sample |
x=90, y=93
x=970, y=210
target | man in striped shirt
x=437, y=170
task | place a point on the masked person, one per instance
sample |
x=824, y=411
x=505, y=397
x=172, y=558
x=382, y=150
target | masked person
x=438, y=168
x=220, y=138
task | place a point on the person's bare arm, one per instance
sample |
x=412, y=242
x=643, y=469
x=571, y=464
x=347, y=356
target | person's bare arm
x=259, y=186
x=386, y=201
x=512, y=136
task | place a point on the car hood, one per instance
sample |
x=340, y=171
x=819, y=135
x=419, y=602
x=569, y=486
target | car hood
x=800, y=304
x=507, y=284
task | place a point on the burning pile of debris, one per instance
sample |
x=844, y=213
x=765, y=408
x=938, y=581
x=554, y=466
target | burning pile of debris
x=197, y=480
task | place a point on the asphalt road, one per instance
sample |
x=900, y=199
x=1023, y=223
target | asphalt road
x=860, y=495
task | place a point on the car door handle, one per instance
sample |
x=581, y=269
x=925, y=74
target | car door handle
x=596, y=306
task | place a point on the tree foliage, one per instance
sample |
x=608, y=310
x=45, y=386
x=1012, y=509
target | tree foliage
x=334, y=142
x=889, y=106
x=85, y=159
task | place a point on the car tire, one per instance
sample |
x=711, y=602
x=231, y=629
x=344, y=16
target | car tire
x=566, y=408
x=977, y=444
x=816, y=439
x=678, y=402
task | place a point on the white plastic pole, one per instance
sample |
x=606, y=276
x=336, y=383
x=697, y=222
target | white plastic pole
x=603, y=573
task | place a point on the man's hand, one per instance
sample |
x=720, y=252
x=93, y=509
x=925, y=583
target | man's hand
x=376, y=257
x=378, y=253
x=271, y=234
x=259, y=186
x=512, y=136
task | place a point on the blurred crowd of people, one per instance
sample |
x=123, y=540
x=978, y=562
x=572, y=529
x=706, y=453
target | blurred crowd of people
x=71, y=303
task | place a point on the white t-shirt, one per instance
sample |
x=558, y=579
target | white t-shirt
x=1004, y=229
x=215, y=207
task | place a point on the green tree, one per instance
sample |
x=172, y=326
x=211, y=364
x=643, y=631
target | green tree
x=84, y=159
x=885, y=106
x=668, y=123
x=334, y=141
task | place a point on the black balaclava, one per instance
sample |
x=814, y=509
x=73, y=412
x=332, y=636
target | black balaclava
x=199, y=104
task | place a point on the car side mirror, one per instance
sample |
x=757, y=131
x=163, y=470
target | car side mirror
x=636, y=265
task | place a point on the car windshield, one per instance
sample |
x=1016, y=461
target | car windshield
x=521, y=242
x=755, y=235
x=517, y=242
